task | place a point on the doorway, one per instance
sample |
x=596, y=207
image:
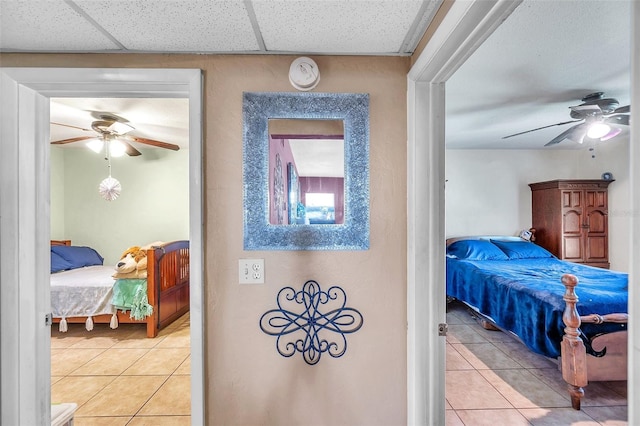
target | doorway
x=86, y=366
x=25, y=235
x=463, y=29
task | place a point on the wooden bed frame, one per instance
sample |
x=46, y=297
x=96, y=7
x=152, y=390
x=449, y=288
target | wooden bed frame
x=167, y=287
x=576, y=365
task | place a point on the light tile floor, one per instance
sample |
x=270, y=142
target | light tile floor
x=492, y=379
x=121, y=377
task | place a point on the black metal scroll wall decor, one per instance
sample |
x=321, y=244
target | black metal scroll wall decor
x=311, y=321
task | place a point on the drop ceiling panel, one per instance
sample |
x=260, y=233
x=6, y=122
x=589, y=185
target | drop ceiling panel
x=175, y=26
x=48, y=25
x=391, y=27
x=336, y=26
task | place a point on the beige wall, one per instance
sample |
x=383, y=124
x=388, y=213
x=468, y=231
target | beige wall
x=247, y=381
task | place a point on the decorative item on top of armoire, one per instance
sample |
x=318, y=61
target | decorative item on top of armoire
x=607, y=176
x=571, y=219
x=305, y=320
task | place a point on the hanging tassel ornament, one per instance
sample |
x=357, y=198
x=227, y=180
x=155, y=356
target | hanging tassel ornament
x=109, y=188
x=62, y=327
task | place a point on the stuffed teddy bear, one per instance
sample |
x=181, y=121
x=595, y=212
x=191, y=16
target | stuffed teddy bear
x=132, y=263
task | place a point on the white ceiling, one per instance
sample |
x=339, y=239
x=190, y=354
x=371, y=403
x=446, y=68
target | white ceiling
x=378, y=27
x=544, y=58
x=318, y=157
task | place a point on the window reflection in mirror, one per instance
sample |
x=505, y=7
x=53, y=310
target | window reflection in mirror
x=306, y=172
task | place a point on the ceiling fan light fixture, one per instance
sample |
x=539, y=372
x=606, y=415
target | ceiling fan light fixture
x=95, y=145
x=612, y=134
x=598, y=130
x=116, y=148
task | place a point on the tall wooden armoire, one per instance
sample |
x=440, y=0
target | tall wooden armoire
x=570, y=218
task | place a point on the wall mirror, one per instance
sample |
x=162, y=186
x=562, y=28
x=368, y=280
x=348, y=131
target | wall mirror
x=306, y=171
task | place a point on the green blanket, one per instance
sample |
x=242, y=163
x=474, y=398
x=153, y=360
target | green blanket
x=130, y=294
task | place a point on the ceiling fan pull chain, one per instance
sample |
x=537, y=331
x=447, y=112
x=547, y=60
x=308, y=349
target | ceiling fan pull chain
x=107, y=155
x=105, y=145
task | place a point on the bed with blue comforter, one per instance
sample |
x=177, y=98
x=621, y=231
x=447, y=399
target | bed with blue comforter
x=517, y=285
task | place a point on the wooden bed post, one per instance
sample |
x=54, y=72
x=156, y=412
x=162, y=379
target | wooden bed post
x=152, y=292
x=574, y=355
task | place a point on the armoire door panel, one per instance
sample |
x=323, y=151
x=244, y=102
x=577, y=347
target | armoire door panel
x=571, y=199
x=597, y=222
x=596, y=199
x=576, y=199
x=597, y=249
x=572, y=222
x=572, y=248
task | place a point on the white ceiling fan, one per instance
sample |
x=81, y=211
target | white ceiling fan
x=600, y=118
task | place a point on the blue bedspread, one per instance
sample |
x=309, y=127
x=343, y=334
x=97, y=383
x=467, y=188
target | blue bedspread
x=525, y=296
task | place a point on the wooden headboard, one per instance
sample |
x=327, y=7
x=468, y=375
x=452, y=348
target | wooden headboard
x=60, y=242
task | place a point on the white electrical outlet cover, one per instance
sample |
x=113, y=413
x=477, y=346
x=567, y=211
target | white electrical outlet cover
x=251, y=271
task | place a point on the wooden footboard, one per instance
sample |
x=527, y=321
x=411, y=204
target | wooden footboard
x=167, y=284
x=574, y=355
x=167, y=288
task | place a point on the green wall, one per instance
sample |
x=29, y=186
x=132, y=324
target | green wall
x=153, y=205
x=57, y=194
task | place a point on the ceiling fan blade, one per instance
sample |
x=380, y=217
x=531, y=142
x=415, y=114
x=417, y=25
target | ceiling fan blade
x=622, y=109
x=73, y=127
x=575, y=133
x=130, y=149
x=618, y=119
x=579, y=133
x=71, y=140
x=155, y=143
x=540, y=128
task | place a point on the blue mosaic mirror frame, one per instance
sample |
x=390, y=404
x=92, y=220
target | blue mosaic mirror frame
x=353, y=110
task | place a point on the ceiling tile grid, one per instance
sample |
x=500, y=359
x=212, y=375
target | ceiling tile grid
x=377, y=27
x=48, y=26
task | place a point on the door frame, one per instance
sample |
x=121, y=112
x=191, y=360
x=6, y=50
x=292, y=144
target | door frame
x=25, y=363
x=463, y=29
